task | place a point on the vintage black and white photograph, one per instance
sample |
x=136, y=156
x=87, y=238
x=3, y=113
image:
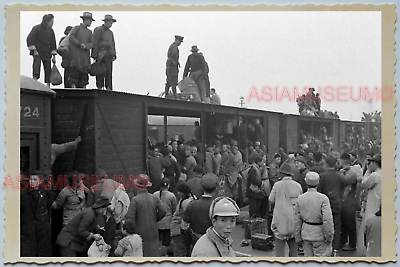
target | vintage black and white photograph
x=201, y=134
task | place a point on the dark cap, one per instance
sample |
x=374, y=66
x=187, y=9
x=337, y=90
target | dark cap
x=194, y=48
x=285, y=169
x=277, y=155
x=317, y=156
x=300, y=158
x=178, y=37
x=257, y=158
x=87, y=15
x=129, y=226
x=101, y=203
x=199, y=169
x=109, y=18
x=345, y=156
x=331, y=161
x=67, y=30
x=209, y=181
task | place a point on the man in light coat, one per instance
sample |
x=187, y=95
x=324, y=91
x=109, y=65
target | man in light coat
x=104, y=51
x=284, y=192
x=314, y=220
x=81, y=42
x=371, y=183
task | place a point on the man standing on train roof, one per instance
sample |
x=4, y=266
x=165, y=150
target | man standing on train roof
x=173, y=66
x=207, y=81
x=81, y=41
x=41, y=43
x=196, y=65
x=104, y=51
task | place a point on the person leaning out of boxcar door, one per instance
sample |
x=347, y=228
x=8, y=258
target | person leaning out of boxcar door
x=216, y=242
x=35, y=201
x=104, y=51
x=58, y=149
x=41, y=43
x=81, y=41
x=75, y=238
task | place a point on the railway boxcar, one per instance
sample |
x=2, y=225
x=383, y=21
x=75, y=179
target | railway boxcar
x=295, y=130
x=35, y=126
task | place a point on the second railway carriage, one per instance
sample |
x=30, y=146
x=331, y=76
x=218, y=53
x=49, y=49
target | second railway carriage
x=114, y=128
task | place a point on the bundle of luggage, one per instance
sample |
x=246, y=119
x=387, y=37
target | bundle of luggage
x=256, y=229
x=189, y=90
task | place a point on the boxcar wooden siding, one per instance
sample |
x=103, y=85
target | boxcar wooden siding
x=73, y=117
x=122, y=139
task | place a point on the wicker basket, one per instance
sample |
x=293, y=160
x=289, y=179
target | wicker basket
x=254, y=226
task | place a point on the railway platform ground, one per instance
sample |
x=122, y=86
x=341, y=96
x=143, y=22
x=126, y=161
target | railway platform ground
x=238, y=235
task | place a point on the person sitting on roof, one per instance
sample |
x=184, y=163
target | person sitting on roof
x=214, y=99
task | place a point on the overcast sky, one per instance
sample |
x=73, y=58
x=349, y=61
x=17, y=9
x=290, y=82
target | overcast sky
x=243, y=50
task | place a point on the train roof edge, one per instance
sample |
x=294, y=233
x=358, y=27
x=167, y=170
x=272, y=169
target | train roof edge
x=33, y=85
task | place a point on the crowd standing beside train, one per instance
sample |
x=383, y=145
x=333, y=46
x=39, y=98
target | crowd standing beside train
x=311, y=198
x=176, y=209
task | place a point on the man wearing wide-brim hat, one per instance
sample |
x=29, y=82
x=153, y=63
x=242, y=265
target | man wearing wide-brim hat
x=80, y=229
x=81, y=42
x=314, y=221
x=145, y=211
x=371, y=183
x=284, y=194
x=196, y=65
x=172, y=66
x=104, y=51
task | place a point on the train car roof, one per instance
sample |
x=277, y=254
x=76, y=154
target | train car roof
x=161, y=106
x=33, y=85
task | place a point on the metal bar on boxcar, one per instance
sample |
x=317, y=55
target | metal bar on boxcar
x=203, y=125
x=145, y=132
x=165, y=129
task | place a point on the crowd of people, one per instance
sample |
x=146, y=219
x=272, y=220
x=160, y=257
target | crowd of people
x=310, y=105
x=311, y=200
